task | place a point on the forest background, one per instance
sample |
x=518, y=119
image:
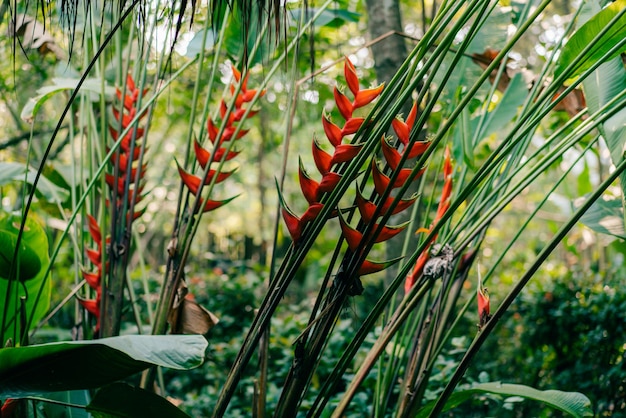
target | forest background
x=515, y=146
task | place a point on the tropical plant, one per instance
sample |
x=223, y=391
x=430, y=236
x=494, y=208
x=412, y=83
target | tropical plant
x=474, y=140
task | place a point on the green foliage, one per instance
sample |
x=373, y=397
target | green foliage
x=28, y=298
x=72, y=365
x=605, y=31
x=567, y=332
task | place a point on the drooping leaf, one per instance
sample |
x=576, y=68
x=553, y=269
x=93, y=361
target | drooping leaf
x=92, y=86
x=194, y=47
x=72, y=365
x=119, y=400
x=13, y=171
x=606, y=216
x=573, y=403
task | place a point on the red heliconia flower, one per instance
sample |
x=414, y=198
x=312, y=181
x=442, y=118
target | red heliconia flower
x=94, y=278
x=354, y=237
x=314, y=190
x=194, y=182
x=444, y=204
x=371, y=267
x=203, y=155
x=343, y=104
x=295, y=224
x=332, y=131
x=482, y=297
x=229, y=125
x=323, y=160
x=382, y=181
x=344, y=153
x=310, y=187
x=126, y=158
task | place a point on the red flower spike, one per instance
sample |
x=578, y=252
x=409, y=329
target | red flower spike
x=93, y=256
x=130, y=83
x=249, y=95
x=309, y=186
x=417, y=270
x=353, y=237
x=370, y=267
x=402, y=204
x=366, y=208
x=121, y=182
x=391, y=154
x=214, y=204
x=92, y=306
x=128, y=100
x=418, y=148
x=329, y=181
x=332, y=131
x=352, y=126
x=92, y=279
x=343, y=104
x=388, y=232
x=351, y=77
x=212, y=130
x=344, y=152
x=483, y=304
x=293, y=224
x=447, y=190
x=322, y=158
x=230, y=131
x=365, y=97
x=403, y=176
x=192, y=182
x=311, y=213
x=410, y=120
x=381, y=181
x=236, y=73
x=202, y=155
x=401, y=129
x=94, y=230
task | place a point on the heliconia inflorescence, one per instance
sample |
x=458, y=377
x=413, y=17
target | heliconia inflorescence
x=482, y=297
x=126, y=158
x=442, y=207
x=220, y=150
x=327, y=165
x=94, y=278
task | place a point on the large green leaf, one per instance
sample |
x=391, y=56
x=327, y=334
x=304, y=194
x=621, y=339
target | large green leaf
x=10, y=172
x=75, y=365
x=120, y=400
x=33, y=260
x=93, y=86
x=573, y=403
x=467, y=135
x=331, y=18
x=603, y=85
x=606, y=216
x=572, y=51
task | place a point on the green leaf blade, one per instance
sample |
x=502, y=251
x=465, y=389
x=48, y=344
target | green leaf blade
x=72, y=365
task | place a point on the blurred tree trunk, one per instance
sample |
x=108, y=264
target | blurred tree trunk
x=389, y=54
x=383, y=17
